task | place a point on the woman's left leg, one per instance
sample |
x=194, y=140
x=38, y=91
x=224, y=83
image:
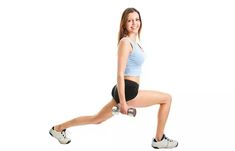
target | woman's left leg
x=59, y=131
x=104, y=114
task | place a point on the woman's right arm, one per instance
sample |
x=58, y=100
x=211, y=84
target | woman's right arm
x=124, y=49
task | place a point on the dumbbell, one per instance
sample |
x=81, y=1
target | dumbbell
x=130, y=111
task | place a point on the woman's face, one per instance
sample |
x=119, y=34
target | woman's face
x=133, y=23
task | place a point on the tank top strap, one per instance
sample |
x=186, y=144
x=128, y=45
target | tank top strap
x=131, y=42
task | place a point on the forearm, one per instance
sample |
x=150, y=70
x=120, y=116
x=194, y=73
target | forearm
x=121, y=89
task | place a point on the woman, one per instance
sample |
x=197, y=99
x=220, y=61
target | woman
x=126, y=92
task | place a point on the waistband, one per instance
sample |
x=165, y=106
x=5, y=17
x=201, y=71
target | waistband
x=130, y=82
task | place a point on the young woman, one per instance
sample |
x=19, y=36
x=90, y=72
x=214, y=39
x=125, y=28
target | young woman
x=126, y=92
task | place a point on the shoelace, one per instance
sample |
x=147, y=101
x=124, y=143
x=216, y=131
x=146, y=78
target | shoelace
x=65, y=133
x=168, y=139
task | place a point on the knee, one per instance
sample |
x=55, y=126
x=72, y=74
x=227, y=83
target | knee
x=97, y=120
x=168, y=99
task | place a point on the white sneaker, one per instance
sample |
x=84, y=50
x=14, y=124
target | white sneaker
x=60, y=136
x=164, y=143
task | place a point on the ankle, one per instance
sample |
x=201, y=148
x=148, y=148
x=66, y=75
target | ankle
x=58, y=128
x=159, y=138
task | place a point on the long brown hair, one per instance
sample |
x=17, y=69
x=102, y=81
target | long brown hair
x=122, y=31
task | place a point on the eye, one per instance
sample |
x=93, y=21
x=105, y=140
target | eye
x=137, y=19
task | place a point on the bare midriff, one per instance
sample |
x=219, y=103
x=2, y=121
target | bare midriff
x=133, y=78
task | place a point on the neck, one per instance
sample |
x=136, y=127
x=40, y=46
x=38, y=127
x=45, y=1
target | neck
x=134, y=37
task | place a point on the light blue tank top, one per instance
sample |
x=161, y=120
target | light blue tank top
x=135, y=60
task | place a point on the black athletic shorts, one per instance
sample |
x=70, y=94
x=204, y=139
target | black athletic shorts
x=131, y=90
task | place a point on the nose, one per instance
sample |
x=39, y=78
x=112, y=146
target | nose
x=133, y=22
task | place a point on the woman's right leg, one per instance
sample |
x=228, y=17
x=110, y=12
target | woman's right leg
x=104, y=114
x=149, y=98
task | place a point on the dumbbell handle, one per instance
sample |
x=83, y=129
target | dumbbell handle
x=130, y=111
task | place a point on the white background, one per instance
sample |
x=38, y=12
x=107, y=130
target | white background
x=58, y=61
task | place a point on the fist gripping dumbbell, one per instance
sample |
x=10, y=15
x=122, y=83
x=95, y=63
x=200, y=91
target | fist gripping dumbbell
x=130, y=111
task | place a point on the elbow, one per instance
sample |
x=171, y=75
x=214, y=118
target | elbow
x=120, y=76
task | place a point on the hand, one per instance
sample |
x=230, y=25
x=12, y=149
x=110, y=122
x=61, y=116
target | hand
x=123, y=108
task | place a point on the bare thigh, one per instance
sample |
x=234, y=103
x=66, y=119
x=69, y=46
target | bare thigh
x=147, y=98
x=106, y=112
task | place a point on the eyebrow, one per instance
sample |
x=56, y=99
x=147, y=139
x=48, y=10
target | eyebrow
x=134, y=18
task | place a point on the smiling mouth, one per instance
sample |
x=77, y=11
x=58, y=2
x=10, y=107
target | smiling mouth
x=133, y=27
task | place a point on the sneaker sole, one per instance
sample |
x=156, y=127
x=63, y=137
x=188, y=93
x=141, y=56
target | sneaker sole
x=68, y=142
x=166, y=148
x=155, y=147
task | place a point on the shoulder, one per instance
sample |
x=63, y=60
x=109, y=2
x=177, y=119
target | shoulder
x=124, y=47
x=124, y=40
x=125, y=43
